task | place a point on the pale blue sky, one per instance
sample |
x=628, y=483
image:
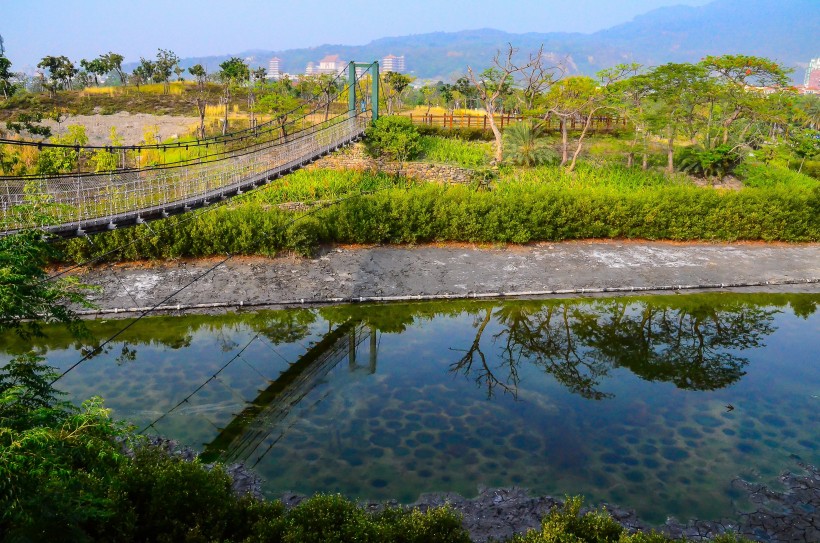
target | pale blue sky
x=79, y=29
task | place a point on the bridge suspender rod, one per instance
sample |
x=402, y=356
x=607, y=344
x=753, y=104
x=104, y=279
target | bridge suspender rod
x=351, y=81
x=374, y=100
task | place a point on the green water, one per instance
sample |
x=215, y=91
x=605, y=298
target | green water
x=654, y=403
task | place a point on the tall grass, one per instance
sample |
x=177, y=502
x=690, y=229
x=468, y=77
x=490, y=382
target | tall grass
x=468, y=154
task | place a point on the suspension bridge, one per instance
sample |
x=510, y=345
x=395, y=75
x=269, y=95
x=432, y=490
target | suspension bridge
x=78, y=203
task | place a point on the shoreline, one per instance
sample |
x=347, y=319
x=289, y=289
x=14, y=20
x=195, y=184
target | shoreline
x=357, y=274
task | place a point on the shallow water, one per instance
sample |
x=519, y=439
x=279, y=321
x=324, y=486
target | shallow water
x=653, y=403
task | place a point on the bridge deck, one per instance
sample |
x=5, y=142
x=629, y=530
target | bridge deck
x=95, y=203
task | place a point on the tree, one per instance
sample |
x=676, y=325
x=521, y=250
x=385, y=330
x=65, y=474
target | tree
x=5, y=77
x=61, y=72
x=198, y=71
x=496, y=82
x=394, y=85
x=232, y=73
x=628, y=98
x=736, y=74
x=166, y=63
x=677, y=92
x=54, y=160
x=279, y=102
x=429, y=94
x=572, y=97
x=113, y=62
x=96, y=68
x=143, y=73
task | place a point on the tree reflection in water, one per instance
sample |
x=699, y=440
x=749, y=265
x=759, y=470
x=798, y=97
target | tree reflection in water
x=692, y=344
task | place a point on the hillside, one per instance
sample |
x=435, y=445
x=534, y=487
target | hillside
x=784, y=31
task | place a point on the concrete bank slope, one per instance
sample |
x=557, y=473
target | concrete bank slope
x=385, y=273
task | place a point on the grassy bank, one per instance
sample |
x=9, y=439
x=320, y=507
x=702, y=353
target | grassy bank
x=542, y=204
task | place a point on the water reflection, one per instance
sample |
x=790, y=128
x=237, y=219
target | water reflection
x=690, y=345
x=389, y=401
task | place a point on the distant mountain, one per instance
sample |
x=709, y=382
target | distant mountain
x=783, y=30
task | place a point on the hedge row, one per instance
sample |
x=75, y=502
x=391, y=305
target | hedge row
x=513, y=212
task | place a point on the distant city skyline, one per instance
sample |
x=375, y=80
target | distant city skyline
x=88, y=28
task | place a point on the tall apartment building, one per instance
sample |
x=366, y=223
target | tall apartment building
x=392, y=63
x=274, y=70
x=812, y=80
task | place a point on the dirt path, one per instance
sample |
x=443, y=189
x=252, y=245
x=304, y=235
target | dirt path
x=129, y=126
x=384, y=273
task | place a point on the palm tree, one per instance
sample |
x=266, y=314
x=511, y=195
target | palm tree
x=525, y=144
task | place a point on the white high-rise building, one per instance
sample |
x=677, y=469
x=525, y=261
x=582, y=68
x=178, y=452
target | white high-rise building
x=274, y=71
x=812, y=79
x=392, y=63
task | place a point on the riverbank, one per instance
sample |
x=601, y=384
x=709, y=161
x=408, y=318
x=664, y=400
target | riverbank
x=393, y=273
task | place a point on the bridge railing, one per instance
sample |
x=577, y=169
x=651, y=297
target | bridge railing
x=75, y=201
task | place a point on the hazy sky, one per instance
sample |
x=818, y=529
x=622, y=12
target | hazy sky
x=79, y=29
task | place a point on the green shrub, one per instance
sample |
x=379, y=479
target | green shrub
x=436, y=525
x=304, y=235
x=395, y=137
x=718, y=161
x=566, y=524
x=759, y=175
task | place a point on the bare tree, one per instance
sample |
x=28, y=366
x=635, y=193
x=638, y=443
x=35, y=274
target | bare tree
x=496, y=81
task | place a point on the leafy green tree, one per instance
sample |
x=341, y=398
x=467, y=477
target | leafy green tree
x=232, y=73
x=27, y=299
x=5, y=78
x=164, y=66
x=200, y=100
x=113, y=63
x=106, y=160
x=395, y=84
x=29, y=123
x=736, y=76
x=678, y=89
x=570, y=98
x=279, y=102
x=95, y=67
x=54, y=160
x=61, y=72
x=144, y=72
x=525, y=144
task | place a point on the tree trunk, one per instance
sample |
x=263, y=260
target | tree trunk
x=581, y=141
x=499, y=149
x=564, y=142
x=670, y=152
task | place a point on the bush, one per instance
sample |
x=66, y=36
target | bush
x=566, y=524
x=395, y=137
x=545, y=205
x=304, y=235
x=718, y=161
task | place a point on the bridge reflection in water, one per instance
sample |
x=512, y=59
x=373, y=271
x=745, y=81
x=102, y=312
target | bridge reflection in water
x=264, y=420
